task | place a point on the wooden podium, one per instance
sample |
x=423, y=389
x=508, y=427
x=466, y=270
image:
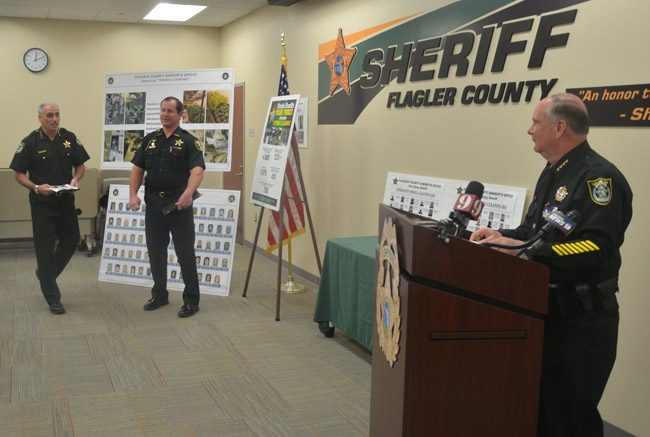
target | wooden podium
x=470, y=339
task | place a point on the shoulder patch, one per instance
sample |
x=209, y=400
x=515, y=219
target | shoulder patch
x=197, y=144
x=600, y=190
x=20, y=148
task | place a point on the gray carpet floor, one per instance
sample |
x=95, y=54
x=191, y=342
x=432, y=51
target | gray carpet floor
x=108, y=368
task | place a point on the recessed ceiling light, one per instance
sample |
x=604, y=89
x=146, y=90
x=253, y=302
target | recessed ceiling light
x=172, y=12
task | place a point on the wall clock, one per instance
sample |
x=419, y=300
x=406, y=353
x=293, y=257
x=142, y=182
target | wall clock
x=35, y=60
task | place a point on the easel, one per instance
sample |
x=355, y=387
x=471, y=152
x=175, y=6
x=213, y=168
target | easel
x=294, y=149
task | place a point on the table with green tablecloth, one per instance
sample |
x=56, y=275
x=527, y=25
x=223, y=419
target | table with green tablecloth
x=346, y=295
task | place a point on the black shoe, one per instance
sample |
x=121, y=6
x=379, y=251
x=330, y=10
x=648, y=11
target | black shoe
x=153, y=304
x=188, y=310
x=57, y=308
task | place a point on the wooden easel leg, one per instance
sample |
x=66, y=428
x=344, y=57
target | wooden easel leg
x=250, y=263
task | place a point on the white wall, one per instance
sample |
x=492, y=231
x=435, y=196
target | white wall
x=81, y=54
x=345, y=166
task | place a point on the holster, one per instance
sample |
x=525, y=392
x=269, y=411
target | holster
x=568, y=300
x=607, y=293
x=585, y=300
x=558, y=304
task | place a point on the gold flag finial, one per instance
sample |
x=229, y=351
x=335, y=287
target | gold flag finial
x=284, y=54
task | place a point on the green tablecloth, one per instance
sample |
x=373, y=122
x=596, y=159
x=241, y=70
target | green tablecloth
x=346, y=296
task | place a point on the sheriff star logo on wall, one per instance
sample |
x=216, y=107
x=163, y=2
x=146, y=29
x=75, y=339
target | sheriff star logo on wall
x=339, y=62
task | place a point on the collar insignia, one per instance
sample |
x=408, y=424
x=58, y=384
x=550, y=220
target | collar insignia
x=561, y=166
x=600, y=190
x=561, y=193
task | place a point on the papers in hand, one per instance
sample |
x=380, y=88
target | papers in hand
x=61, y=188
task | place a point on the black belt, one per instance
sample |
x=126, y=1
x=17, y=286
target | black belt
x=166, y=193
x=566, y=300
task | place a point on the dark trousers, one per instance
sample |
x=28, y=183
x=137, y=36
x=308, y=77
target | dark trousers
x=157, y=228
x=578, y=357
x=56, y=237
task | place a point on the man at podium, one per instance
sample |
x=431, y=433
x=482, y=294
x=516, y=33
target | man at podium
x=581, y=328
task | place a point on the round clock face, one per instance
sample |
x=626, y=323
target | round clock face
x=35, y=60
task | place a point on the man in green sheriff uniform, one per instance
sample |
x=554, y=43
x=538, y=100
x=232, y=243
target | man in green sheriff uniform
x=45, y=158
x=173, y=161
x=581, y=328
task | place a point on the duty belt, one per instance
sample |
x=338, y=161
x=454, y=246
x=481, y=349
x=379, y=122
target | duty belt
x=166, y=193
x=567, y=300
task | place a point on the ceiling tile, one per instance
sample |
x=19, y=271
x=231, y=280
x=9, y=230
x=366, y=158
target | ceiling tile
x=118, y=16
x=239, y=4
x=72, y=14
x=218, y=13
x=23, y=11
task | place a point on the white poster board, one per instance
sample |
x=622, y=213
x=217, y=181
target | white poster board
x=302, y=122
x=125, y=259
x=271, y=163
x=132, y=110
x=434, y=198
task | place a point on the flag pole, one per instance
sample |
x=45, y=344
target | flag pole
x=289, y=286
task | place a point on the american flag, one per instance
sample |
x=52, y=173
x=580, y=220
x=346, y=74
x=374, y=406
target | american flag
x=294, y=211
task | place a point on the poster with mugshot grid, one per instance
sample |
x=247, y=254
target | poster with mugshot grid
x=125, y=259
x=434, y=198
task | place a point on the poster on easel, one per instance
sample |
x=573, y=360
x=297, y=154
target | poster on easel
x=132, y=110
x=125, y=259
x=434, y=198
x=302, y=122
x=272, y=155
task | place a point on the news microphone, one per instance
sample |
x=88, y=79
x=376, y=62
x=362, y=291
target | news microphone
x=468, y=206
x=556, y=222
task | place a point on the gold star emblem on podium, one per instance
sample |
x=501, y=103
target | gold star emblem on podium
x=67, y=144
x=339, y=62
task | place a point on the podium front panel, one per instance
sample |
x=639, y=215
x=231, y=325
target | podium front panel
x=464, y=369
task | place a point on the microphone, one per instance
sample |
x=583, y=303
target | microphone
x=468, y=206
x=556, y=221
